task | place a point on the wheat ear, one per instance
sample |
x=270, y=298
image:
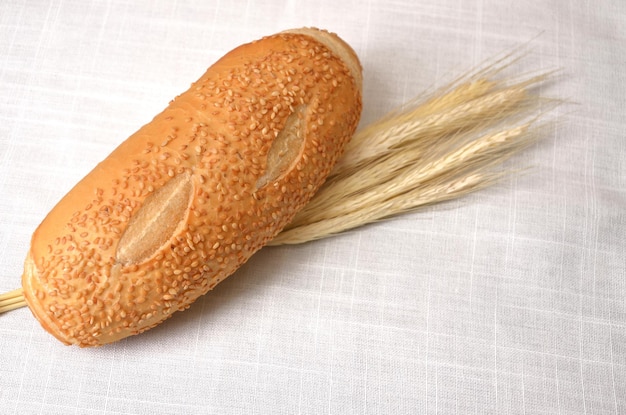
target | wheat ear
x=438, y=148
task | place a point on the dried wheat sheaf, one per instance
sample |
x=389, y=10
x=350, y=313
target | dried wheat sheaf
x=440, y=146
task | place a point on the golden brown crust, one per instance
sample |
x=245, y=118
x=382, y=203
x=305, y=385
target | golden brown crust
x=117, y=255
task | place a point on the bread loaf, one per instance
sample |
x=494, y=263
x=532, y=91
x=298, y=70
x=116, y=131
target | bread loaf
x=189, y=197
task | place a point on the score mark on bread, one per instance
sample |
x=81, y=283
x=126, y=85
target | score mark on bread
x=156, y=221
x=286, y=148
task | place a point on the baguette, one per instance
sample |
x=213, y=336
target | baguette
x=188, y=198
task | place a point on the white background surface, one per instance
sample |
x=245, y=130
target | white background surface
x=510, y=301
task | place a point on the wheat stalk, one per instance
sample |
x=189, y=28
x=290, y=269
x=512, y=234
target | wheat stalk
x=12, y=300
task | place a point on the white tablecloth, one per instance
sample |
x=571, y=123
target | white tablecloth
x=509, y=301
